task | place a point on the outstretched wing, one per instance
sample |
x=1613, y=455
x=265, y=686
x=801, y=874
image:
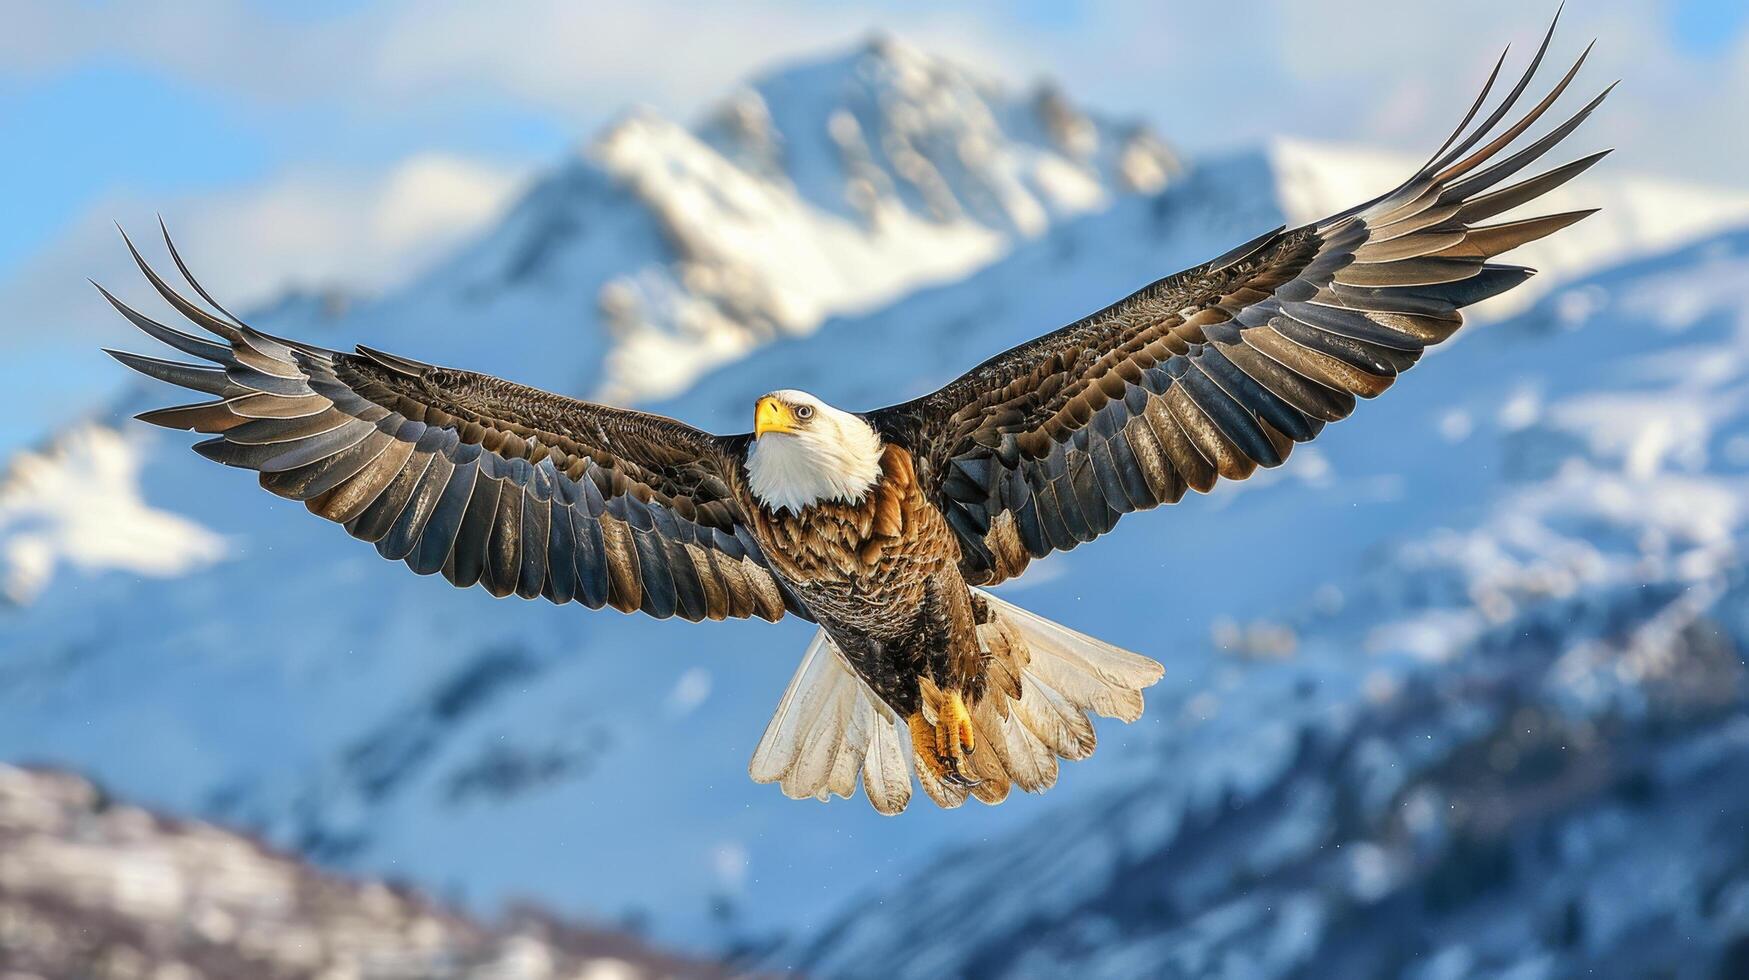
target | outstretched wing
x=486, y=481
x=1223, y=368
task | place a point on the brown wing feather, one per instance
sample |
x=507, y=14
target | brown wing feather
x=1221, y=369
x=486, y=481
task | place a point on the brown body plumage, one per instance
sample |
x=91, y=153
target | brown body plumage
x=883, y=526
x=881, y=575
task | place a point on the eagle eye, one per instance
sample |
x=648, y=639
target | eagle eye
x=804, y=412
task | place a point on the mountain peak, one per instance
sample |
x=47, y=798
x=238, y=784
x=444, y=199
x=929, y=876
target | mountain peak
x=879, y=58
x=823, y=186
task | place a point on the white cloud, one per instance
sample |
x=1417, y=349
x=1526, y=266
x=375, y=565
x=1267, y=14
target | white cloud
x=249, y=243
x=1209, y=74
x=690, y=691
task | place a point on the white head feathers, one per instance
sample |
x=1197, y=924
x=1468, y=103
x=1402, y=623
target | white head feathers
x=807, y=452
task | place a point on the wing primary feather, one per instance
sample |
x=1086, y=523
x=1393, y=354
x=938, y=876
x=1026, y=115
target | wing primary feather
x=212, y=380
x=1316, y=401
x=438, y=536
x=658, y=582
x=184, y=342
x=1490, y=240
x=1425, y=270
x=207, y=417
x=374, y=522
x=1482, y=180
x=409, y=526
x=352, y=497
x=1490, y=282
x=537, y=515
x=1248, y=392
x=377, y=520
x=594, y=580
x=1382, y=361
x=266, y=405
x=182, y=267
x=317, y=478
x=1500, y=111
x=1475, y=107
x=467, y=559
x=1231, y=418
x=194, y=313
x=303, y=452
x=464, y=474
x=1352, y=324
x=504, y=541
x=561, y=580
x=276, y=431
x=1216, y=370
x=1517, y=129
x=1505, y=199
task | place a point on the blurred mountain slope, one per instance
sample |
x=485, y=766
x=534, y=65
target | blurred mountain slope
x=92, y=887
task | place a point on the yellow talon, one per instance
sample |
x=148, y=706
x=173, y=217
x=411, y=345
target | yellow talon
x=946, y=747
x=953, y=731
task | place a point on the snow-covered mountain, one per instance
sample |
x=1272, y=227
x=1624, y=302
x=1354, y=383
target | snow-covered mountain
x=289, y=681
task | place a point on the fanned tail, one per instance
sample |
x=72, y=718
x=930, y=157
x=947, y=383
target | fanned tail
x=830, y=729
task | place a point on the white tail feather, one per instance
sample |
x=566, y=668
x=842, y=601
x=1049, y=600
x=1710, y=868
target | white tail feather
x=830, y=728
x=1063, y=675
x=1091, y=673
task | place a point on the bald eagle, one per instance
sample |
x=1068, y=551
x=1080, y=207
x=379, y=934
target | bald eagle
x=886, y=527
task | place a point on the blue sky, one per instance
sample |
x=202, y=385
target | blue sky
x=109, y=127
x=1707, y=27
x=270, y=133
x=122, y=120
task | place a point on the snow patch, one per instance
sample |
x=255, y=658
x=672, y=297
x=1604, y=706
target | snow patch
x=78, y=503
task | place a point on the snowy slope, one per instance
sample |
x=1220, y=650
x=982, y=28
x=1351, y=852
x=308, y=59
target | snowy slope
x=1502, y=728
x=92, y=886
x=77, y=502
x=296, y=684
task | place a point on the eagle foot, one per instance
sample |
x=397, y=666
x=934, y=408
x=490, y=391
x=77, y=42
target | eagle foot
x=946, y=746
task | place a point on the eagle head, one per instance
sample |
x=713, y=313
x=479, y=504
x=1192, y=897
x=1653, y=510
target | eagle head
x=806, y=452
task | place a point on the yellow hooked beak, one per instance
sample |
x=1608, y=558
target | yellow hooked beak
x=772, y=415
